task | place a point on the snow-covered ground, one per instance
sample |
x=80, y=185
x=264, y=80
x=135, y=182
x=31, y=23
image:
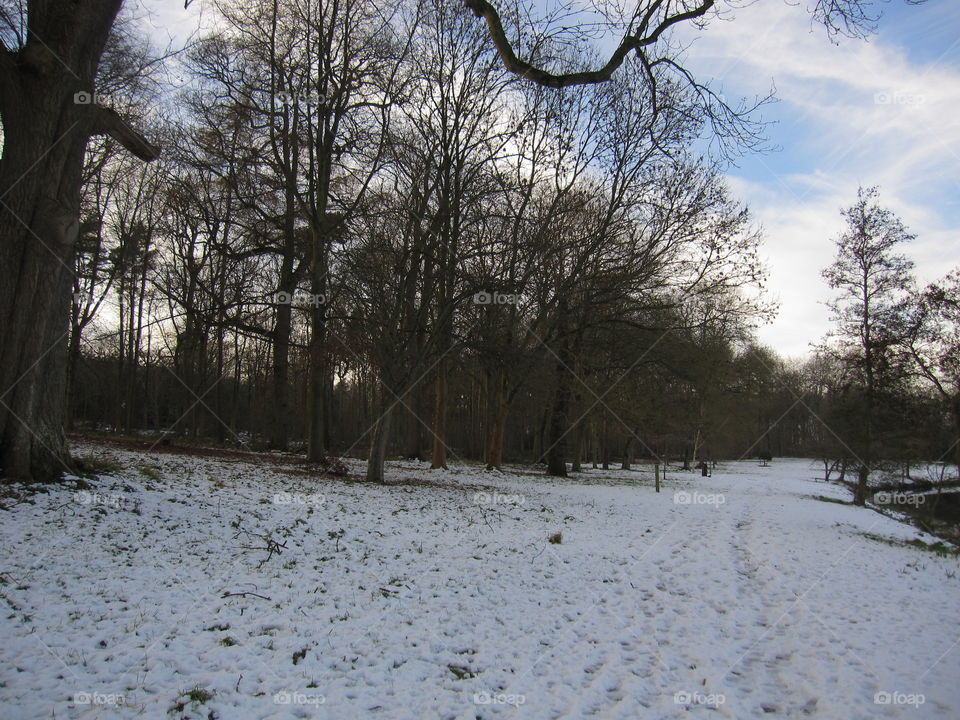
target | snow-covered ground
x=154, y=594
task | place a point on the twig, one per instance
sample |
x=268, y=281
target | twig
x=244, y=594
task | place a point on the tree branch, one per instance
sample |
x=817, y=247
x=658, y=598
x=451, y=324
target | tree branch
x=108, y=122
x=482, y=8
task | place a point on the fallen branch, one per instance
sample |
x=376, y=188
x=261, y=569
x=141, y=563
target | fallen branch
x=244, y=594
x=271, y=547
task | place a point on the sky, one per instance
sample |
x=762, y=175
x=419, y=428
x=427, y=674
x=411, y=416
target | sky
x=882, y=112
x=885, y=112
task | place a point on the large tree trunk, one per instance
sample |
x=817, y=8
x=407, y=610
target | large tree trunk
x=279, y=434
x=37, y=227
x=416, y=405
x=45, y=133
x=39, y=205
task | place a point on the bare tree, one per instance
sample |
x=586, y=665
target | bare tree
x=870, y=311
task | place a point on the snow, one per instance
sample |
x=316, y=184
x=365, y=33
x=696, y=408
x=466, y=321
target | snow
x=439, y=595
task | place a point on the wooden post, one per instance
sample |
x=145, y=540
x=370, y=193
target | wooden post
x=656, y=475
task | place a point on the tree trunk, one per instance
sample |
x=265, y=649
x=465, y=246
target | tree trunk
x=540, y=437
x=605, y=444
x=627, y=463
x=594, y=446
x=319, y=364
x=379, y=443
x=498, y=425
x=40, y=193
x=860, y=494
x=557, y=435
x=280, y=407
x=73, y=367
x=439, y=458
x=46, y=129
x=578, y=443
x=316, y=389
x=416, y=445
x=33, y=322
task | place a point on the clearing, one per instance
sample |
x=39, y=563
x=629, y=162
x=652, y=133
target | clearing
x=201, y=586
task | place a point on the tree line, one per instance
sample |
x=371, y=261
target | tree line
x=418, y=247
x=372, y=230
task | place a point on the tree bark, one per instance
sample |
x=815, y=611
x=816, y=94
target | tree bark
x=627, y=463
x=498, y=423
x=557, y=435
x=280, y=407
x=319, y=364
x=416, y=444
x=860, y=493
x=379, y=443
x=605, y=444
x=73, y=368
x=439, y=457
x=45, y=134
x=576, y=464
x=39, y=206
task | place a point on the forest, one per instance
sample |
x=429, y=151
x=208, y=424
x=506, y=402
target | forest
x=366, y=237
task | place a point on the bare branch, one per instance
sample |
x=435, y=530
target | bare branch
x=108, y=122
x=636, y=42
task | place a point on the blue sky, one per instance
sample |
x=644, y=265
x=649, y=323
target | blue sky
x=885, y=112
x=882, y=112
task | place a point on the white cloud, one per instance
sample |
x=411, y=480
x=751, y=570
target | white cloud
x=857, y=113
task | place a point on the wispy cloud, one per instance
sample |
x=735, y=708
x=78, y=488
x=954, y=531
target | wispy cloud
x=850, y=113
